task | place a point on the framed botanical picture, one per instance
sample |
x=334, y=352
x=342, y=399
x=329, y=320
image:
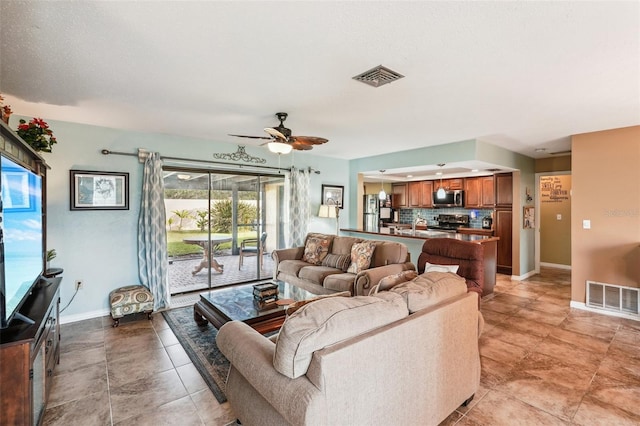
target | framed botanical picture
x=332, y=195
x=99, y=190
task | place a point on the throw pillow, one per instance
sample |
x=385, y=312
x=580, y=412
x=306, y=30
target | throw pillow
x=430, y=288
x=361, y=254
x=391, y=280
x=315, y=249
x=338, y=261
x=431, y=267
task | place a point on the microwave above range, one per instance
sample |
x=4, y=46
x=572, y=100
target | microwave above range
x=451, y=199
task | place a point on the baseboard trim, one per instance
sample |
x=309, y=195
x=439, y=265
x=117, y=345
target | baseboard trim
x=584, y=307
x=523, y=277
x=66, y=319
x=555, y=265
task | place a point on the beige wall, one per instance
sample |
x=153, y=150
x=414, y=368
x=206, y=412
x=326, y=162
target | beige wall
x=374, y=188
x=553, y=164
x=606, y=191
x=555, y=219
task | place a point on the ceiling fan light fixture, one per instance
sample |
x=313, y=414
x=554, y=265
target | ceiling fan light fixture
x=279, y=147
x=281, y=139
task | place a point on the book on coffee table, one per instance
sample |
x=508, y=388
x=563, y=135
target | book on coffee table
x=265, y=290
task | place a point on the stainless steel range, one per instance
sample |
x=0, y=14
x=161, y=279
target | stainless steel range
x=451, y=222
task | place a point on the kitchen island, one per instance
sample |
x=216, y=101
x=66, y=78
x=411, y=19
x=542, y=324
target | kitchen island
x=414, y=239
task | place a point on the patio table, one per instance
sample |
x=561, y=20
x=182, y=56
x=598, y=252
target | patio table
x=205, y=243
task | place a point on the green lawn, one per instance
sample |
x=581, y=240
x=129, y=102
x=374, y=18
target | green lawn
x=176, y=247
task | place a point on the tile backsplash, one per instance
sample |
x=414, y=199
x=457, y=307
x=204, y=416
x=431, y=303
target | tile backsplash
x=475, y=221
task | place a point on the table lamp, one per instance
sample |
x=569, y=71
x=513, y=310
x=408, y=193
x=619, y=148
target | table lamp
x=330, y=210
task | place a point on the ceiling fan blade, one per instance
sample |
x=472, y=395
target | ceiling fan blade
x=301, y=146
x=275, y=133
x=309, y=140
x=250, y=137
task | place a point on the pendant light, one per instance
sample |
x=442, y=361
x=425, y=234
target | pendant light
x=441, y=193
x=382, y=195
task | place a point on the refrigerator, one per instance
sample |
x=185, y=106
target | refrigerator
x=371, y=218
x=376, y=211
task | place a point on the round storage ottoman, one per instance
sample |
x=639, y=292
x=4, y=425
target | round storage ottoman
x=130, y=299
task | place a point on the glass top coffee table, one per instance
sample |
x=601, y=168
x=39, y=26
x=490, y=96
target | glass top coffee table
x=237, y=304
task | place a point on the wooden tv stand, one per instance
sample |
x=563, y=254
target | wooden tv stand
x=28, y=356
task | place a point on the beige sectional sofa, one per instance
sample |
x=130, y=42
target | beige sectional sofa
x=331, y=274
x=405, y=356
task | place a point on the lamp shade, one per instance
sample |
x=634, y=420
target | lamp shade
x=382, y=195
x=279, y=147
x=441, y=193
x=327, y=211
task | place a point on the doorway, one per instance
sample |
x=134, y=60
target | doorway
x=221, y=227
x=553, y=214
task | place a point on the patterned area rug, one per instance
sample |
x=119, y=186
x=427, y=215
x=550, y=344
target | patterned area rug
x=200, y=345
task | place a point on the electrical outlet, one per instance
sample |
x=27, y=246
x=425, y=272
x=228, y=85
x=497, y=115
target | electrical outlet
x=79, y=284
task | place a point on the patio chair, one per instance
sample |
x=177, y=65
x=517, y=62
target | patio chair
x=252, y=247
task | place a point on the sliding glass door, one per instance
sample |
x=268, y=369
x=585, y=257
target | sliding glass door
x=221, y=227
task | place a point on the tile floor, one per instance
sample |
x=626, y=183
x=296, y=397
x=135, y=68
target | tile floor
x=542, y=364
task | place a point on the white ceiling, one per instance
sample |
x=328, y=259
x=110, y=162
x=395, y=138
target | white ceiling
x=521, y=75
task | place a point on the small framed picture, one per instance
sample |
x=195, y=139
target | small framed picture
x=333, y=195
x=99, y=190
x=529, y=221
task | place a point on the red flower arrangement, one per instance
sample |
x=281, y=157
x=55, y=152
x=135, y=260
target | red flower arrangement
x=37, y=134
x=5, y=111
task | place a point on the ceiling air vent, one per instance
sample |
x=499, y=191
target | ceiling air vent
x=378, y=76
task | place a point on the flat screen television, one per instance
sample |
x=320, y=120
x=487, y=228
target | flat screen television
x=22, y=250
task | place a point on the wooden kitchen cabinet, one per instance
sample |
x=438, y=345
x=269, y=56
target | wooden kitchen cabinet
x=479, y=192
x=502, y=225
x=400, y=196
x=426, y=188
x=415, y=196
x=420, y=194
x=488, y=199
x=504, y=190
x=473, y=192
x=451, y=184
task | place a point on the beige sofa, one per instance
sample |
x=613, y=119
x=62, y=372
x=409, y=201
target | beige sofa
x=388, y=258
x=385, y=359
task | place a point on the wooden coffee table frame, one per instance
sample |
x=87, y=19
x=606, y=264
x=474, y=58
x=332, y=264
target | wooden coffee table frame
x=205, y=311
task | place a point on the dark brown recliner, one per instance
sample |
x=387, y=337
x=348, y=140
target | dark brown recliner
x=447, y=251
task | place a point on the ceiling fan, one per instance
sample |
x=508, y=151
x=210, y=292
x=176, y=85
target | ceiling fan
x=281, y=139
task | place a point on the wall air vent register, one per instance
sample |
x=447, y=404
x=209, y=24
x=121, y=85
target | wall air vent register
x=613, y=298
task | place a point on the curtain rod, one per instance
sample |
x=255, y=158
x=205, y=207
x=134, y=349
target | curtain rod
x=143, y=153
